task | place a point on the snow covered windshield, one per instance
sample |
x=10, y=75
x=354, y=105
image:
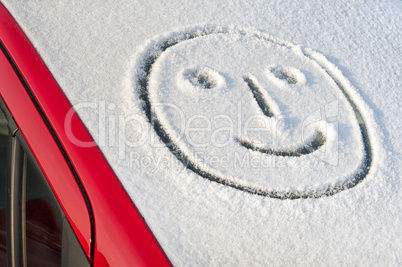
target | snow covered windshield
x=246, y=133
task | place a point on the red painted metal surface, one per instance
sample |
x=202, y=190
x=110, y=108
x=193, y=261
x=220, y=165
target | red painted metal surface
x=45, y=150
x=122, y=238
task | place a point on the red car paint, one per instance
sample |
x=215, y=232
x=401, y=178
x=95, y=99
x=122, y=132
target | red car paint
x=121, y=237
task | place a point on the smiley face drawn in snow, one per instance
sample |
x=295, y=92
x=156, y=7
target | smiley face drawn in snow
x=255, y=113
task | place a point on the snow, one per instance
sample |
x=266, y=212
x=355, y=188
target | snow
x=285, y=71
x=215, y=117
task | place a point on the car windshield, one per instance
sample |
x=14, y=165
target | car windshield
x=246, y=133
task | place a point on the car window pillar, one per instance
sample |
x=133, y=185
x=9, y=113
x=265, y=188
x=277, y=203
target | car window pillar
x=15, y=200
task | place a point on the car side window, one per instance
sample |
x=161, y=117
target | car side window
x=43, y=223
x=3, y=162
x=34, y=230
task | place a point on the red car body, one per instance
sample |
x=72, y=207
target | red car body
x=106, y=222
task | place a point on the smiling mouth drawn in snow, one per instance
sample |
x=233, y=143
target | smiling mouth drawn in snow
x=244, y=96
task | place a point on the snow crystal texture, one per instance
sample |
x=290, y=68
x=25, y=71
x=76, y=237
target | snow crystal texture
x=283, y=63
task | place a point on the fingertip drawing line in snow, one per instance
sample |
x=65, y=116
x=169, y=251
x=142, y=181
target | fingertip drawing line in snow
x=198, y=71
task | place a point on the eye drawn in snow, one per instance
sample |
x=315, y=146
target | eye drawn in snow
x=204, y=77
x=287, y=75
x=250, y=111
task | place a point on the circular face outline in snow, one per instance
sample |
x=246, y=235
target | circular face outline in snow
x=154, y=49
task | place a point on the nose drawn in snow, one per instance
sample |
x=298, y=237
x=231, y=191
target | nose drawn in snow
x=261, y=97
x=248, y=96
x=264, y=102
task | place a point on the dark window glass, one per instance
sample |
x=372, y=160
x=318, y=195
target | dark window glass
x=43, y=221
x=43, y=217
x=42, y=234
x=3, y=160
